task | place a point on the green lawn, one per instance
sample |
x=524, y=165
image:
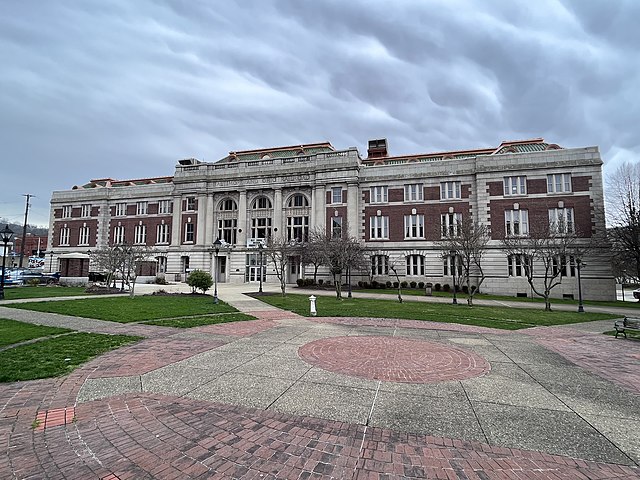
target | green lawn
x=12, y=331
x=127, y=309
x=56, y=356
x=16, y=293
x=496, y=317
x=191, y=322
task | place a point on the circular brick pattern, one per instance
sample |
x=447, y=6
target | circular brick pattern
x=393, y=359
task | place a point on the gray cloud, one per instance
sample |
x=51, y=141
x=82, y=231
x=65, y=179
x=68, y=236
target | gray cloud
x=124, y=89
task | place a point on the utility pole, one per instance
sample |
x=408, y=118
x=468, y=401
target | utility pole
x=24, y=228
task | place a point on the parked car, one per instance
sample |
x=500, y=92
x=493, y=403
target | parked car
x=636, y=294
x=43, y=278
x=12, y=276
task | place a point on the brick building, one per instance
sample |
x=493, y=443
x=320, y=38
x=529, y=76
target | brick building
x=399, y=206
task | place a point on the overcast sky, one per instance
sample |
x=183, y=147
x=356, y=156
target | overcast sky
x=123, y=89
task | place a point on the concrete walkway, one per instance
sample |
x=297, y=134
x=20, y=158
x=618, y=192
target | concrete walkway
x=292, y=397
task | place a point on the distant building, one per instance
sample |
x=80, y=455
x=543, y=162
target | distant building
x=399, y=206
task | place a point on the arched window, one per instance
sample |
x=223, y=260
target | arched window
x=266, y=156
x=261, y=203
x=228, y=204
x=298, y=200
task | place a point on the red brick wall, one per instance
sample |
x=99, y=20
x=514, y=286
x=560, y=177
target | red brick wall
x=396, y=194
x=580, y=184
x=537, y=185
x=74, y=267
x=74, y=231
x=432, y=193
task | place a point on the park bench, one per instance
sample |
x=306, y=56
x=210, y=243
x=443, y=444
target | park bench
x=628, y=323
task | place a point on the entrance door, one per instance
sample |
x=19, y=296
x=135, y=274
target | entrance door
x=293, y=270
x=222, y=269
x=253, y=268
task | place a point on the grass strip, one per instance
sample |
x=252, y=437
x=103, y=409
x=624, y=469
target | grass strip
x=18, y=293
x=127, y=309
x=191, y=322
x=56, y=356
x=12, y=331
x=495, y=317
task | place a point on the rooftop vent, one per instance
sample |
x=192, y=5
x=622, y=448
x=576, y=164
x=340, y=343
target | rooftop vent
x=377, y=148
x=189, y=161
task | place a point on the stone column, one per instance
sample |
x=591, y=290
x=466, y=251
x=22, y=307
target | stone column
x=353, y=210
x=318, y=213
x=176, y=228
x=202, y=212
x=277, y=212
x=242, y=219
x=209, y=235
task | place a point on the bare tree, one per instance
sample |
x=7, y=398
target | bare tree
x=108, y=260
x=121, y=258
x=341, y=253
x=312, y=252
x=133, y=257
x=280, y=250
x=623, y=214
x=468, y=242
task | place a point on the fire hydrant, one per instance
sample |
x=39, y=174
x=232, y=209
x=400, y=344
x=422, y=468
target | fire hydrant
x=312, y=299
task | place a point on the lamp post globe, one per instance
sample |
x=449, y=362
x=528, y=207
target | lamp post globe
x=216, y=248
x=6, y=234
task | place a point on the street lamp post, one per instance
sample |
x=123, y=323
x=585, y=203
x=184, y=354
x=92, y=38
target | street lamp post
x=453, y=274
x=261, y=250
x=216, y=247
x=5, y=235
x=579, y=265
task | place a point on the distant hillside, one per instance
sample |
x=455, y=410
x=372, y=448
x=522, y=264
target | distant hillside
x=17, y=228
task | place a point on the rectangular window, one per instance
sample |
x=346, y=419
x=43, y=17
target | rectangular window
x=379, y=227
x=191, y=204
x=414, y=226
x=415, y=265
x=561, y=220
x=121, y=209
x=189, y=232
x=448, y=263
x=142, y=208
x=261, y=227
x=162, y=233
x=450, y=224
x=118, y=234
x=336, y=195
x=164, y=206
x=66, y=211
x=140, y=235
x=559, y=183
x=379, y=194
x=518, y=265
x=298, y=228
x=336, y=227
x=515, y=185
x=84, y=235
x=450, y=190
x=413, y=192
x=86, y=210
x=516, y=223
x=228, y=230
x=379, y=265
x=64, y=236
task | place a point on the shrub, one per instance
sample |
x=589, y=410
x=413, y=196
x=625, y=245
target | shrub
x=438, y=287
x=300, y=282
x=320, y=282
x=388, y=284
x=309, y=282
x=473, y=288
x=365, y=285
x=33, y=282
x=429, y=284
x=374, y=284
x=360, y=283
x=465, y=289
x=413, y=284
x=403, y=284
x=420, y=285
x=160, y=280
x=446, y=287
x=199, y=279
x=396, y=284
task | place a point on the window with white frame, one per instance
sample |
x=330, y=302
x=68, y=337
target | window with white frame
x=516, y=223
x=140, y=235
x=336, y=227
x=336, y=195
x=298, y=200
x=561, y=220
x=121, y=209
x=191, y=204
x=559, y=183
x=261, y=227
x=379, y=227
x=164, y=207
x=142, y=208
x=450, y=224
x=379, y=194
x=228, y=205
x=64, y=235
x=448, y=264
x=515, y=185
x=261, y=203
x=450, y=190
x=228, y=230
x=379, y=265
x=564, y=265
x=414, y=226
x=298, y=228
x=66, y=211
x=413, y=192
x=162, y=233
x=415, y=265
x=86, y=210
x=189, y=232
x=84, y=236
x=118, y=234
x=518, y=265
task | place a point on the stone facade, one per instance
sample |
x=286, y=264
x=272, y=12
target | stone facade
x=286, y=191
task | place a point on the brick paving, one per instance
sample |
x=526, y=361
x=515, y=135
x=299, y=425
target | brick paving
x=237, y=329
x=393, y=359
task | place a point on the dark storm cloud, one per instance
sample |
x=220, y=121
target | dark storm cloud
x=124, y=89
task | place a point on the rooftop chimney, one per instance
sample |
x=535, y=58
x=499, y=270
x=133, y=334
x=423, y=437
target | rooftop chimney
x=377, y=148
